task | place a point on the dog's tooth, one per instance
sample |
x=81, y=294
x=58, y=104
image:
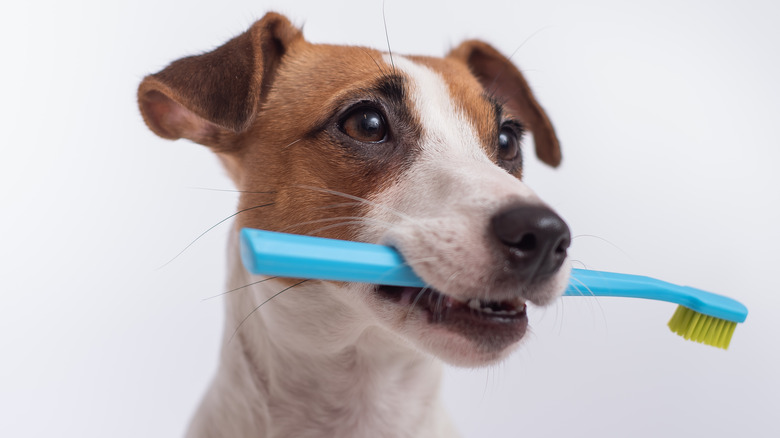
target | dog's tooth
x=487, y=310
x=475, y=304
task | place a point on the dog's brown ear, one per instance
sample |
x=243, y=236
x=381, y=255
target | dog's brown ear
x=208, y=98
x=501, y=78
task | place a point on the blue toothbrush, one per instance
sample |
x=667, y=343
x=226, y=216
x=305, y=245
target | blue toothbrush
x=702, y=316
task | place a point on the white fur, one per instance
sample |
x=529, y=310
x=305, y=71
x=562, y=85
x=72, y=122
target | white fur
x=308, y=366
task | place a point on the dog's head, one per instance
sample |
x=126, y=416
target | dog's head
x=415, y=152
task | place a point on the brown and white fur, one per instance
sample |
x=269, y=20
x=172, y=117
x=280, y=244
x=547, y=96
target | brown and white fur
x=352, y=143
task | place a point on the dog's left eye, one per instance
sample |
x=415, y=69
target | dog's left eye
x=508, y=144
x=365, y=124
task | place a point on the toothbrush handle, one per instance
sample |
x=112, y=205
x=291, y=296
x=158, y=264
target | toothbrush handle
x=290, y=255
x=586, y=282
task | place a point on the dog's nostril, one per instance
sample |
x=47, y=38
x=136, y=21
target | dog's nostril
x=526, y=243
x=536, y=238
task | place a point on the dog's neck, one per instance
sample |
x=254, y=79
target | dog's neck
x=274, y=381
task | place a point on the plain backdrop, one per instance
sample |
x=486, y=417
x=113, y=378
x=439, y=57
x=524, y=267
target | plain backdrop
x=667, y=112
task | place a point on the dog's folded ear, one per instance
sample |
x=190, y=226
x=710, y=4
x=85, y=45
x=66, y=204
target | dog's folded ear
x=502, y=79
x=209, y=98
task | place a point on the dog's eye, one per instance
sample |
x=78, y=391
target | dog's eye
x=365, y=124
x=508, y=144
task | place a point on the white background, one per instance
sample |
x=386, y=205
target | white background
x=668, y=115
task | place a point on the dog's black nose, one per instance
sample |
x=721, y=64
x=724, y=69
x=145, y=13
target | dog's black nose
x=536, y=239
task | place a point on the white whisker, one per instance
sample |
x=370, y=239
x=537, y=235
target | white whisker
x=414, y=303
x=360, y=200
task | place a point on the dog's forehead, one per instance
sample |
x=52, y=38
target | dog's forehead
x=455, y=112
x=465, y=91
x=318, y=73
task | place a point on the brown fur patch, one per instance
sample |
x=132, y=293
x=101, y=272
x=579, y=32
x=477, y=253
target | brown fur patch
x=294, y=148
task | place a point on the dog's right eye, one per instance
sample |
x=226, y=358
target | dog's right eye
x=364, y=124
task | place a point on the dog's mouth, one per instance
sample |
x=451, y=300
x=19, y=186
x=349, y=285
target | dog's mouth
x=495, y=321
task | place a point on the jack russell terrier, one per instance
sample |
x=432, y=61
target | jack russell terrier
x=415, y=152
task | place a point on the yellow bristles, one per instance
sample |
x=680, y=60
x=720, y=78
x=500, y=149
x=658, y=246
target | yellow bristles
x=698, y=327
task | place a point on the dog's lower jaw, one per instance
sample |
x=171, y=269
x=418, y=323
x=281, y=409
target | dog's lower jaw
x=375, y=385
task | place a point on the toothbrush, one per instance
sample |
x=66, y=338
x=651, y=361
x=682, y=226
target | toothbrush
x=701, y=316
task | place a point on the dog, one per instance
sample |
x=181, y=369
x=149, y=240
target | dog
x=419, y=153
